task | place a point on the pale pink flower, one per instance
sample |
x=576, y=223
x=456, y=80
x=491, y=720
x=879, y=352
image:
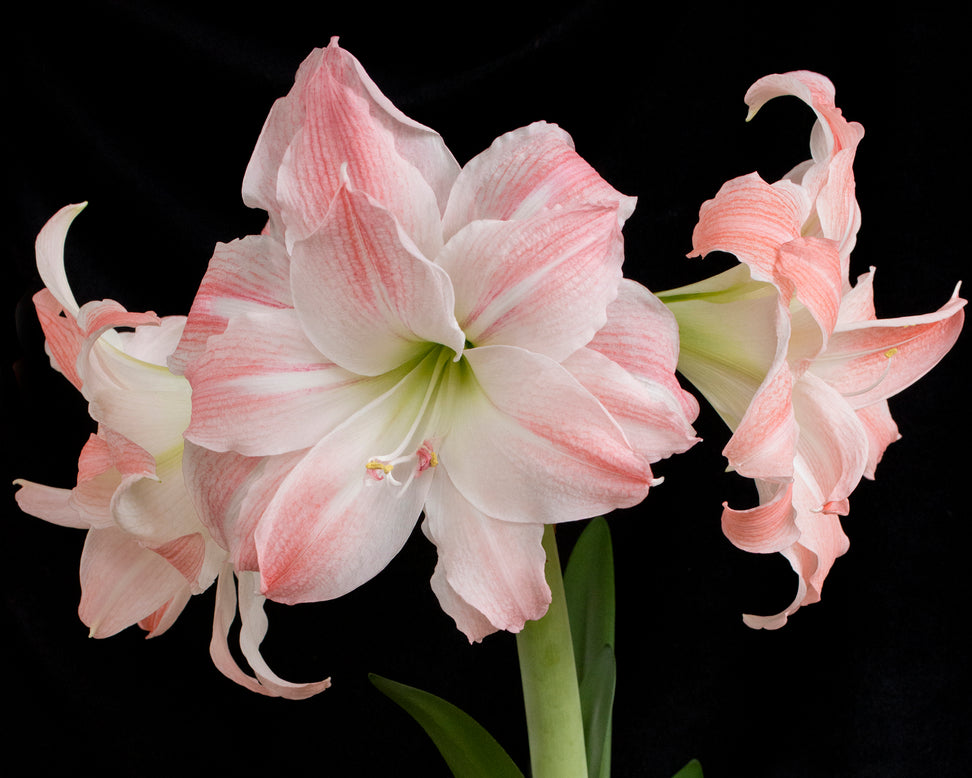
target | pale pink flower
x=789, y=354
x=409, y=336
x=146, y=552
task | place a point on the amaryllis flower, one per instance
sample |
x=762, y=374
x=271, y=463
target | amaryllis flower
x=409, y=336
x=146, y=551
x=790, y=354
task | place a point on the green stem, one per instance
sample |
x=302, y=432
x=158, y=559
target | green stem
x=549, y=676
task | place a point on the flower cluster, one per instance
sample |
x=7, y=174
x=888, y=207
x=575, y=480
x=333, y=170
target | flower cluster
x=405, y=336
x=790, y=354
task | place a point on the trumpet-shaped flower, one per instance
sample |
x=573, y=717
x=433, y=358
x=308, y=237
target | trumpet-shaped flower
x=407, y=336
x=790, y=354
x=146, y=552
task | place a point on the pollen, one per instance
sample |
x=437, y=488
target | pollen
x=378, y=470
x=890, y=352
x=427, y=457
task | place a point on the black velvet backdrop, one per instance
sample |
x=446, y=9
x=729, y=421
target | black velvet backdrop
x=150, y=111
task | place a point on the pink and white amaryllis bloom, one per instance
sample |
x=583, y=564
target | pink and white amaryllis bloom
x=407, y=336
x=146, y=551
x=791, y=355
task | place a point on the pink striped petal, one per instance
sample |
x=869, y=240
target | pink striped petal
x=344, y=124
x=817, y=92
x=262, y=388
x=534, y=446
x=821, y=541
x=641, y=336
x=542, y=283
x=751, y=220
x=496, y=567
x=768, y=528
x=232, y=492
x=309, y=108
x=331, y=525
x=650, y=414
x=63, y=337
x=250, y=275
x=869, y=361
x=122, y=582
x=525, y=172
x=365, y=295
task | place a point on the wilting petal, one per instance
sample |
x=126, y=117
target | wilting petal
x=252, y=630
x=525, y=172
x=251, y=275
x=364, y=294
x=494, y=566
x=542, y=284
x=541, y=468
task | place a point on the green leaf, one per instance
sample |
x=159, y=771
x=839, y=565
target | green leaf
x=589, y=585
x=692, y=770
x=597, y=701
x=468, y=749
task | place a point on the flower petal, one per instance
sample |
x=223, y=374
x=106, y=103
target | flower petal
x=535, y=446
x=869, y=361
x=231, y=494
x=768, y=528
x=49, y=249
x=365, y=295
x=122, y=582
x=650, y=414
x=252, y=630
x=245, y=276
x=49, y=503
x=641, y=336
x=818, y=92
x=496, y=567
x=525, y=172
x=331, y=526
x=542, y=283
x=262, y=388
x=346, y=121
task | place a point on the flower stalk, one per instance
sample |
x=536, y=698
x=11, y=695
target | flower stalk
x=550, y=692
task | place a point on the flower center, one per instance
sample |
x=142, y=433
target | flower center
x=415, y=452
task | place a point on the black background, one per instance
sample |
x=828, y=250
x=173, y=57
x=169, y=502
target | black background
x=150, y=111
